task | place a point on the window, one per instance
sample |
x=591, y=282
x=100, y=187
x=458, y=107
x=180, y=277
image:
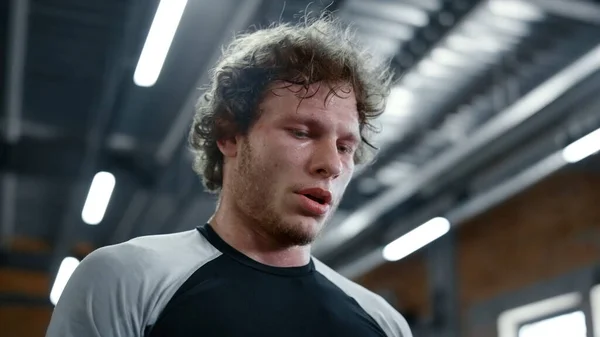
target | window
x=570, y=324
x=567, y=306
x=533, y=320
x=559, y=316
x=595, y=303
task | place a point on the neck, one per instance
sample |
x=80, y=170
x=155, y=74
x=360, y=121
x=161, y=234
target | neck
x=248, y=238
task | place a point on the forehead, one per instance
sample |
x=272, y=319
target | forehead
x=284, y=100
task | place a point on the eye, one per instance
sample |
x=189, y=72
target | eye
x=299, y=133
x=346, y=149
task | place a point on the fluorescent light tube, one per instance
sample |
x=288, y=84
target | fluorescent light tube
x=399, y=101
x=67, y=267
x=416, y=239
x=582, y=148
x=516, y=9
x=159, y=39
x=98, y=197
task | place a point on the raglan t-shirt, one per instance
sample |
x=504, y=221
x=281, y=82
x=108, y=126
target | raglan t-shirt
x=194, y=284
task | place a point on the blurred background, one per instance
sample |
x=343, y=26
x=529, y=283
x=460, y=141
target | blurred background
x=480, y=218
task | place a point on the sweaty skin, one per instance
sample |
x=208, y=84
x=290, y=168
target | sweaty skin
x=300, y=140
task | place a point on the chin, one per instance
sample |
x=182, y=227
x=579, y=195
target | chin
x=299, y=231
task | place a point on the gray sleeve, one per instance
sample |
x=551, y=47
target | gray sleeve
x=119, y=290
x=97, y=300
x=390, y=320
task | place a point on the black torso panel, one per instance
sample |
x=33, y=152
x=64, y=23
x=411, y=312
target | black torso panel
x=233, y=296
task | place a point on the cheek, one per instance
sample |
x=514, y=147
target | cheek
x=278, y=161
x=344, y=179
x=286, y=154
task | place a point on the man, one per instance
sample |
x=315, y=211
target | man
x=277, y=136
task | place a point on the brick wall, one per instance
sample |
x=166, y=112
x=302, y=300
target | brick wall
x=31, y=319
x=407, y=279
x=24, y=321
x=546, y=231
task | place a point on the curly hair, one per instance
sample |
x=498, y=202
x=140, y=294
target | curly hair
x=321, y=50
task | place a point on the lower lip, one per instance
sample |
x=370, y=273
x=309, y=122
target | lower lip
x=312, y=206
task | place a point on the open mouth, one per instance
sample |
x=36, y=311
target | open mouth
x=316, y=201
x=318, y=195
x=314, y=198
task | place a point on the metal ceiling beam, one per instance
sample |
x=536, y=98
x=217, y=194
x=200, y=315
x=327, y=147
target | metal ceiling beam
x=431, y=5
x=549, y=150
x=584, y=11
x=30, y=128
x=17, y=50
x=58, y=159
x=99, y=125
x=535, y=73
x=536, y=40
x=528, y=106
x=443, y=20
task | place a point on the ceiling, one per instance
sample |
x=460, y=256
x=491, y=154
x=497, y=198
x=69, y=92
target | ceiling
x=487, y=92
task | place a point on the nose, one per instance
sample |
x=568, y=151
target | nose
x=326, y=161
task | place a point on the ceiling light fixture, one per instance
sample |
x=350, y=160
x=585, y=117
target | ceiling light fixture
x=158, y=42
x=98, y=197
x=67, y=267
x=582, y=148
x=520, y=10
x=416, y=239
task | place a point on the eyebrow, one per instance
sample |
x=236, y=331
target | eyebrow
x=353, y=137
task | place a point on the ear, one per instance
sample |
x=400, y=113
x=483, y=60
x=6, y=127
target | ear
x=228, y=147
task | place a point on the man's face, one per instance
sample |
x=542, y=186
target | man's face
x=296, y=161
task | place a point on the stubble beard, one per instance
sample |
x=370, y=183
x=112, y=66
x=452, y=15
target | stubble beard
x=254, y=197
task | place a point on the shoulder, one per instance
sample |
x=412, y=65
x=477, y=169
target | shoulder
x=153, y=250
x=390, y=320
x=155, y=265
x=146, y=257
x=130, y=283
